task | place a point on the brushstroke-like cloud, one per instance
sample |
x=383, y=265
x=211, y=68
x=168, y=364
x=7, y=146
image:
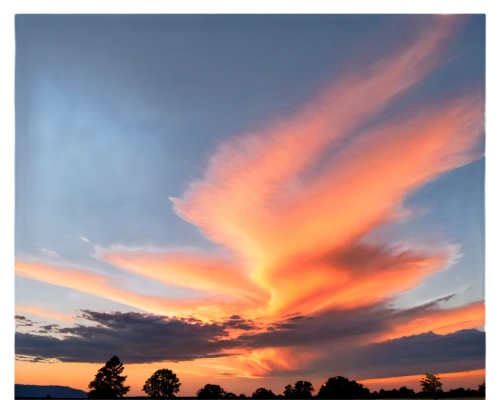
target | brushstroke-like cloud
x=204, y=272
x=360, y=189
x=293, y=202
x=105, y=286
x=257, y=171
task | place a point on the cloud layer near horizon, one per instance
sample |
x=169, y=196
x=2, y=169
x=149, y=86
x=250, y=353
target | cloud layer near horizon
x=292, y=206
x=252, y=354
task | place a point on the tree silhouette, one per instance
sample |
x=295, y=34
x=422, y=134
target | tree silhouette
x=431, y=385
x=482, y=389
x=242, y=396
x=211, y=392
x=460, y=392
x=108, y=382
x=303, y=390
x=163, y=384
x=342, y=388
x=289, y=392
x=229, y=395
x=405, y=392
x=262, y=393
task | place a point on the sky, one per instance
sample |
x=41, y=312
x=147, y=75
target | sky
x=250, y=200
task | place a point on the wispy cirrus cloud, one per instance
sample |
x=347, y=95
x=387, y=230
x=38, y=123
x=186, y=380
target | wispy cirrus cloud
x=51, y=253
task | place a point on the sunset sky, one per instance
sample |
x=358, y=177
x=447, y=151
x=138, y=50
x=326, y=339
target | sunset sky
x=250, y=200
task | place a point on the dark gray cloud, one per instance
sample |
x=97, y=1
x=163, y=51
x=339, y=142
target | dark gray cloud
x=412, y=355
x=20, y=357
x=21, y=320
x=235, y=322
x=143, y=338
x=336, y=325
x=425, y=348
x=50, y=327
x=136, y=337
x=297, y=317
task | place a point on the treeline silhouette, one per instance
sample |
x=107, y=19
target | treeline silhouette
x=109, y=383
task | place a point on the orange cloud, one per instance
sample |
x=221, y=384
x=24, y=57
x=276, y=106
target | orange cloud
x=101, y=285
x=251, y=176
x=365, y=188
x=282, y=198
x=260, y=362
x=359, y=276
x=253, y=364
x=199, y=271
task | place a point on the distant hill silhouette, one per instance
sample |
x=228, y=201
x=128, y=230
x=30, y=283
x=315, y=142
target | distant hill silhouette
x=52, y=391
